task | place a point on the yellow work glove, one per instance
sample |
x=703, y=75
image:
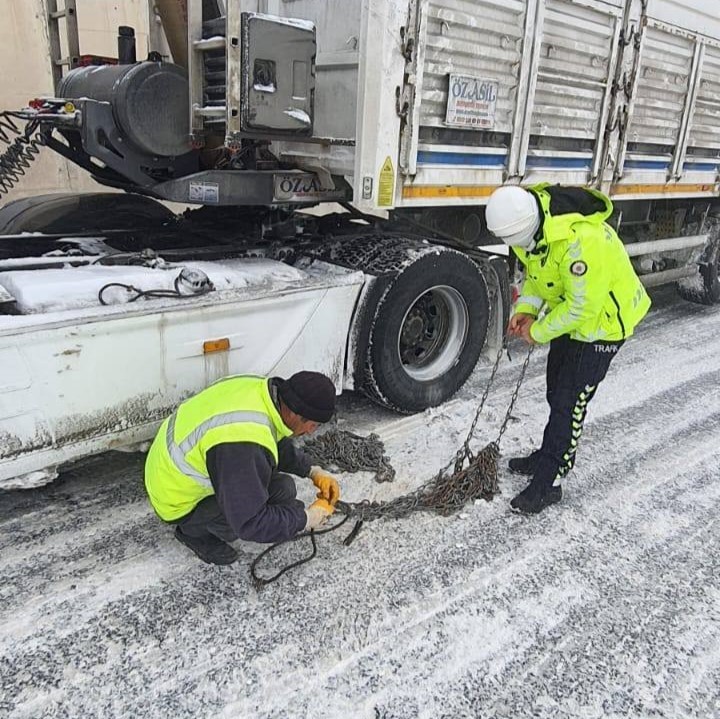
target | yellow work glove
x=317, y=514
x=326, y=483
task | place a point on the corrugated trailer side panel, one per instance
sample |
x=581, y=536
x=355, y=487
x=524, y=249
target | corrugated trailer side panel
x=460, y=39
x=704, y=140
x=657, y=106
x=450, y=161
x=549, y=65
x=578, y=50
x=668, y=141
x=621, y=95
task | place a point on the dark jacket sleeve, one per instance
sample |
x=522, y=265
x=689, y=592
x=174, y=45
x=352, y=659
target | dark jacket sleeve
x=240, y=473
x=293, y=460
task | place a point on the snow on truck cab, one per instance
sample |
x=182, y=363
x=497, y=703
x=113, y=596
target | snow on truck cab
x=408, y=113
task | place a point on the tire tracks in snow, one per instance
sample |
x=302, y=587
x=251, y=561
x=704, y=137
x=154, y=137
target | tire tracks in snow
x=582, y=606
x=601, y=606
x=684, y=427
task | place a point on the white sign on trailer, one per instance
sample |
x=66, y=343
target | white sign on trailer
x=471, y=102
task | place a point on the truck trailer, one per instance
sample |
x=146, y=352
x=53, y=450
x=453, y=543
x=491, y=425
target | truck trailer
x=404, y=115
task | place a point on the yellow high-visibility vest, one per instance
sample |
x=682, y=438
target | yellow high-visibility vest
x=581, y=274
x=235, y=409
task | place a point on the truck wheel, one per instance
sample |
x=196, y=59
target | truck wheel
x=90, y=212
x=426, y=332
x=705, y=288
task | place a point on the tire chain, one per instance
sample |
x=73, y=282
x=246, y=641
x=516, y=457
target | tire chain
x=473, y=476
x=349, y=452
x=444, y=494
x=380, y=253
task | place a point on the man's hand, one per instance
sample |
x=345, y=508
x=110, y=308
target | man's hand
x=525, y=332
x=326, y=483
x=519, y=324
x=317, y=514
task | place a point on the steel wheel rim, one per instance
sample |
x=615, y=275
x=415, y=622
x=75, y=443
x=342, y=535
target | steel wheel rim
x=433, y=333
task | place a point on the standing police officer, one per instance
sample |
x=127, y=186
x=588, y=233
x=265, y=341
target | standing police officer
x=215, y=469
x=578, y=273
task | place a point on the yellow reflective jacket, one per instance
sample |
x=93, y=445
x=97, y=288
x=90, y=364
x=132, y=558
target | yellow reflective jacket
x=579, y=272
x=235, y=409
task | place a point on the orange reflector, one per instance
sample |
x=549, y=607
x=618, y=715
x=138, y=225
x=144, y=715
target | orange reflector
x=216, y=345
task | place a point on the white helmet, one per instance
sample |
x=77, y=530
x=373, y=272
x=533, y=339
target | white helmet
x=512, y=215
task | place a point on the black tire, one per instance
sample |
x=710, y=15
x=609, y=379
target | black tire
x=414, y=356
x=705, y=289
x=500, y=267
x=92, y=212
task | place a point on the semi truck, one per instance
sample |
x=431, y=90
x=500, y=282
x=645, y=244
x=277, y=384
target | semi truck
x=402, y=116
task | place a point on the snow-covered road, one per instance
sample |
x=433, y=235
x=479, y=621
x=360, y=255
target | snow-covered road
x=607, y=605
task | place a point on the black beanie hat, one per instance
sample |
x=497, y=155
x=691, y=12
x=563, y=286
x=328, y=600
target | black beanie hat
x=309, y=394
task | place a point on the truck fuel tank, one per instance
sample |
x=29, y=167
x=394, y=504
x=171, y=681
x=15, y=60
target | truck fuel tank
x=149, y=101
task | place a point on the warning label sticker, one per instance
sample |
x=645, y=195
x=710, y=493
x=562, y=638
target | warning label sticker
x=206, y=192
x=386, y=186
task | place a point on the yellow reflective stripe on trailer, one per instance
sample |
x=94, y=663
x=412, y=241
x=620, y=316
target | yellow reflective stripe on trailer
x=419, y=192
x=416, y=192
x=665, y=189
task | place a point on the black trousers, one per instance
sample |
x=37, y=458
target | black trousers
x=208, y=518
x=574, y=371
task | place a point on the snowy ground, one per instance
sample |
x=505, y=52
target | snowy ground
x=607, y=605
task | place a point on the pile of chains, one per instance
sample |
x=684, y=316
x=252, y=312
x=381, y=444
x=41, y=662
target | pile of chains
x=467, y=477
x=444, y=494
x=23, y=149
x=347, y=452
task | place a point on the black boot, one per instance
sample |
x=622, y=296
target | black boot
x=208, y=547
x=524, y=465
x=535, y=497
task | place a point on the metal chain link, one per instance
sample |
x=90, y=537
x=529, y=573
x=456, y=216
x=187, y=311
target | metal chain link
x=514, y=396
x=474, y=476
x=464, y=452
x=349, y=452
